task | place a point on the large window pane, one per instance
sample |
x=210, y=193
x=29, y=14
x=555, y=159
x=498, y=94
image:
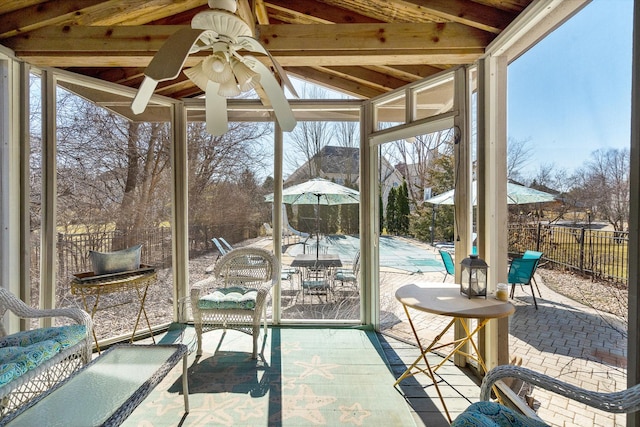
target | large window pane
x=113, y=192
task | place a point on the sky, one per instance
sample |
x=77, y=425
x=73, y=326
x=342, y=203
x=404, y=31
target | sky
x=570, y=94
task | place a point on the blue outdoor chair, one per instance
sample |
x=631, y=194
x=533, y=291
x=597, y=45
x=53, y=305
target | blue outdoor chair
x=221, y=251
x=537, y=256
x=228, y=247
x=449, y=266
x=521, y=272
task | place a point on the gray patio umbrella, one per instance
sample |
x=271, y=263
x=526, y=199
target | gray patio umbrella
x=317, y=191
x=516, y=195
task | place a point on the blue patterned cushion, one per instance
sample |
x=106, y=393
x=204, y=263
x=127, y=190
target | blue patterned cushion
x=491, y=414
x=67, y=336
x=234, y=297
x=9, y=371
x=115, y=262
x=15, y=361
x=26, y=350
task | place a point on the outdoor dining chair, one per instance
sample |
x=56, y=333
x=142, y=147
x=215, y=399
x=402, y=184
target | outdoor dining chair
x=537, y=256
x=349, y=276
x=316, y=281
x=521, y=272
x=449, y=266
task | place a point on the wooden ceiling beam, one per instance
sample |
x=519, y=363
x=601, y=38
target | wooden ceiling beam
x=355, y=37
x=465, y=12
x=314, y=12
x=409, y=73
x=260, y=11
x=324, y=45
x=119, y=75
x=335, y=82
x=41, y=15
x=366, y=76
x=7, y=6
x=90, y=12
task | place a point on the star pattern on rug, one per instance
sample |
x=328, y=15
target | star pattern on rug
x=354, y=414
x=173, y=403
x=253, y=408
x=316, y=367
x=289, y=347
x=214, y=408
x=305, y=404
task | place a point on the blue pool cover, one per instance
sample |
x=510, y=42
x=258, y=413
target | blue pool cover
x=394, y=252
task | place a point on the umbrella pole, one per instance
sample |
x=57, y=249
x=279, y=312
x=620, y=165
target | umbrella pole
x=318, y=230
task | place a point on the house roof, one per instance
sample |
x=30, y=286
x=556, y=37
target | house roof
x=363, y=48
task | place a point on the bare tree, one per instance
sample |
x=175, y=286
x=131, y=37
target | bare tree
x=218, y=165
x=518, y=156
x=309, y=138
x=413, y=159
x=603, y=185
x=113, y=171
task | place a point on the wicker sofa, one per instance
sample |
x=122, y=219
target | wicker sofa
x=31, y=362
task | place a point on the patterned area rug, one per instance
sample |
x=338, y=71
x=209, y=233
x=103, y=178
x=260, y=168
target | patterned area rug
x=303, y=377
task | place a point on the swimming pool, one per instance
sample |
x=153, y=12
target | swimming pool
x=394, y=252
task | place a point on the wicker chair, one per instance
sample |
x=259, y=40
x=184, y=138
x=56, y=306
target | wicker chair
x=619, y=402
x=235, y=297
x=35, y=381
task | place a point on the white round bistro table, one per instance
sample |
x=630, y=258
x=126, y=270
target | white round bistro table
x=445, y=299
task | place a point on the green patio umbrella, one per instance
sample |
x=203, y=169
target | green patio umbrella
x=516, y=195
x=317, y=191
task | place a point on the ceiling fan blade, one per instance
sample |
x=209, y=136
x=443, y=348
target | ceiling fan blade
x=253, y=45
x=215, y=110
x=139, y=103
x=165, y=65
x=279, y=103
x=168, y=61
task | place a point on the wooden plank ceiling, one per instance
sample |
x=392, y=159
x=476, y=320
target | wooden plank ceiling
x=360, y=47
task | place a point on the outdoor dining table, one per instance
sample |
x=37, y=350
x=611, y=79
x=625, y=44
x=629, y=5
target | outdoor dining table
x=445, y=299
x=313, y=260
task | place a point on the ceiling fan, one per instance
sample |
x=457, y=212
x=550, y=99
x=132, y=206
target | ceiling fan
x=225, y=73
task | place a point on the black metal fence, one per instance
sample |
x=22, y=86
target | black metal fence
x=596, y=253
x=73, y=249
x=600, y=254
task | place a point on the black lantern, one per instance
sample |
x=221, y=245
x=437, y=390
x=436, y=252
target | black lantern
x=474, y=277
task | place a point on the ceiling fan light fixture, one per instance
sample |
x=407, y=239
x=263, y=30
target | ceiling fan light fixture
x=229, y=89
x=246, y=77
x=197, y=76
x=215, y=62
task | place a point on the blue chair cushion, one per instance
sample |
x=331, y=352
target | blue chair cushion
x=492, y=414
x=346, y=277
x=315, y=284
x=235, y=297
